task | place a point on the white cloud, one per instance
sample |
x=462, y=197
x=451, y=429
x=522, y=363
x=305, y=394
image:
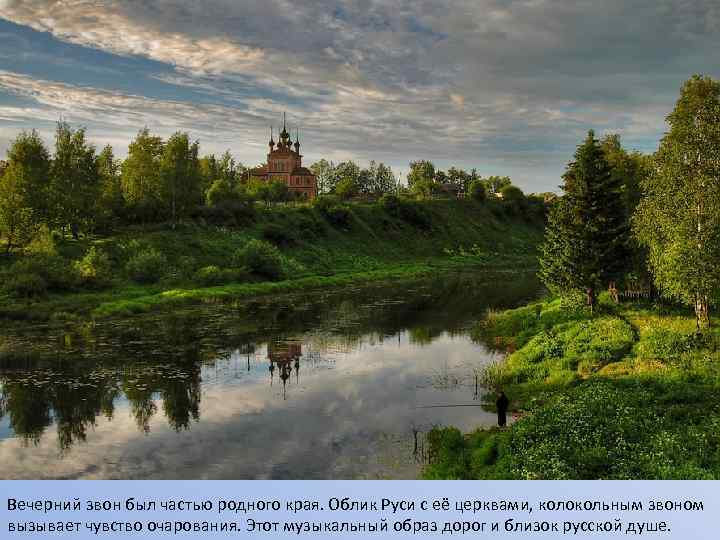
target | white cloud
x=466, y=81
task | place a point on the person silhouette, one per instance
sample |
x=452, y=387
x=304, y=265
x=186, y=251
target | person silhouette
x=502, y=404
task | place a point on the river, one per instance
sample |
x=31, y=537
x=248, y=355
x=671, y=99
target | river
x=327, y=384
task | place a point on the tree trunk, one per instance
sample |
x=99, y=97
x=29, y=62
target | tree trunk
x=702, y=313
x=590, y=298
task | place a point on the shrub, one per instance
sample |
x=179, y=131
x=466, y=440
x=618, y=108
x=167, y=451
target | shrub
x=57, y=273
x=94, y=269
x=260, y=258
x=333, y=210
x=25, y=285
x=277, y=234
x=513, y=199
x=147, y=266
x=406, y=210
x=210, y=276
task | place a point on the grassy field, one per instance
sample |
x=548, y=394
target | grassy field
x=631, y=392
x=136, y=269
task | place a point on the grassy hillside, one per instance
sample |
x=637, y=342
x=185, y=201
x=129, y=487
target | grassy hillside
x=631, y=392
x=271, y=250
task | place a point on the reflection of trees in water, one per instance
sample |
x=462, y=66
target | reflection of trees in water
x=33, y=401
x=71, y=375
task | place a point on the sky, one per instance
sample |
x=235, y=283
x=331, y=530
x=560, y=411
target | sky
x=508, y=87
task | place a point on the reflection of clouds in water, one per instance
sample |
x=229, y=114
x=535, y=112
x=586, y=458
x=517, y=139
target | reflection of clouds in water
x=332, y=424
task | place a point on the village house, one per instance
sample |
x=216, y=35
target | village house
x=284, y=163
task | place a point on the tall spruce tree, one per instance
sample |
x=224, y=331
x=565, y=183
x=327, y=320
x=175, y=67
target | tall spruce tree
x=586, y=237
x=678, y=218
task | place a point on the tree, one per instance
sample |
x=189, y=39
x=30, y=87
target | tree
x=476, y=191
x=222, y=191
x=347, y=188
x=376, y=180
x=459, y=178
x=585, y=239
x=31, y=161
x=180, y=175
x=347, y=172
x=16, y=218
x=678, y=219
x=111, y=204
x=259, y=190
x=629, y=167
x=512, y=195
x=326, y=175
x=421, y=172
x=495, y=184
x=75, y=180
x=278, y=191
x=141, y=182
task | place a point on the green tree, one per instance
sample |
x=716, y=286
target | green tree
x=347, y=188
x=495, y=184
x=459, y=178
x=347, y=173
x=629, y=167
x=16, y=218
x=180, y=175
x=111, y=204
x=512, y=195
x=141, y=181
x=31, y=161
x=421, y=172
x=259, y=190
x=380, y=179
x=585, y=239
x=476, y=191
x=278, y=191
x=678, y=218
x=222, y=191
x=75, y=180
x=326, y=175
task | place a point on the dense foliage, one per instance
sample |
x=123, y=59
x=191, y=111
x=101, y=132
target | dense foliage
x=586, y=242
x=678, y=217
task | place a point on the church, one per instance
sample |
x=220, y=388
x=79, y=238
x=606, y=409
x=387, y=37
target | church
x=284, y=163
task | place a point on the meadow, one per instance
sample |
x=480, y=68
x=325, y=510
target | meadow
x=630, y=391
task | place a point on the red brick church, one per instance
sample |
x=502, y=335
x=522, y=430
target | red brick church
x=285, y=164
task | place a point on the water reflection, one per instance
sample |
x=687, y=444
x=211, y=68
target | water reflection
x=217, y=391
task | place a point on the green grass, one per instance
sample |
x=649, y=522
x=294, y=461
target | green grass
x=199, y=263
x=630, y=392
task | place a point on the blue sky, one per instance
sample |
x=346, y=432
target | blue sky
x=506, y=86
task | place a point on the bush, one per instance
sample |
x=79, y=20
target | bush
x=333, y=210
x=260, y=258
x=94, y=269
x=25, y=285
x=277, y=234
x=209, y=276
x=513, y=199
x=147, y=266
x=57, y=273
x=406, y=210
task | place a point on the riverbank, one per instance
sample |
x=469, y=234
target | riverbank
x=630, y=392
x=139, y=269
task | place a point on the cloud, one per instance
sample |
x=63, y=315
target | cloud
x=472, y=82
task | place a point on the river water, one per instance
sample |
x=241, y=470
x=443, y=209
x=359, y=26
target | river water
x=339, y=384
